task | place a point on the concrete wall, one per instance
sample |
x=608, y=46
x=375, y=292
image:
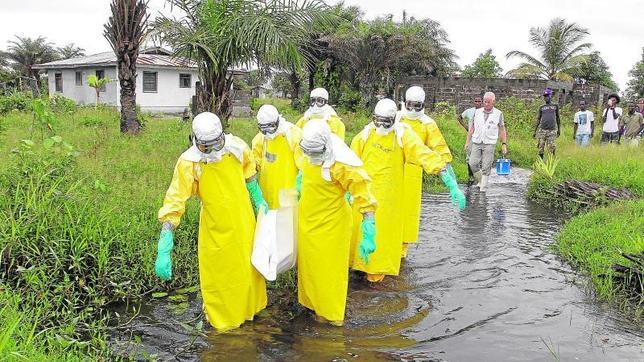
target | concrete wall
x=84, y=94
x=462, y=91
x=169, y=98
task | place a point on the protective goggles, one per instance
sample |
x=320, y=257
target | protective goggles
x=317, y=101
x=313, y=152
x=385, y=122
x=207, y=146
x=269, y=128
x=414, y=106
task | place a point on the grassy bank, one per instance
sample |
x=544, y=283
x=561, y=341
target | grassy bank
x=597, y=242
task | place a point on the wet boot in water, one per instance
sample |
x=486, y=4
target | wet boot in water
x=483, y=183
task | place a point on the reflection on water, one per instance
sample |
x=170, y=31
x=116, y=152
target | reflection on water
x=482, y=285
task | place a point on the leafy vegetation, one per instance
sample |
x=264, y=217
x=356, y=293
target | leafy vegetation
x=635, y=86
x=485, y=66
x=599, y=240
x=561, y=51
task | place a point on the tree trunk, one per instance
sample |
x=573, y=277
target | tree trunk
x=214, y=95
x=127, y=80
x=295, y=85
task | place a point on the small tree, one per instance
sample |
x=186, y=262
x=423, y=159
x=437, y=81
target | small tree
x=98, y=84
x=635, y=86
x=485, y=66
x=281, y=83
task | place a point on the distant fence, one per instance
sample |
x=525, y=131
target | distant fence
x=461, y=91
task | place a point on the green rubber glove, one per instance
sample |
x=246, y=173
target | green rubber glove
x=455, y=194
x=298, y=184
x=163, y=264
x=368, y=242
x=348, y=197
x=451, y=171
x=256, y=196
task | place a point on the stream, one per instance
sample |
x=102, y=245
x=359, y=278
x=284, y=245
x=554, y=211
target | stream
x=483, y=284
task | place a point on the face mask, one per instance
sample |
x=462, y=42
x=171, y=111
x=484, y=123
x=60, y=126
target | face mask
x=269, y=130
x=208, y=146
x=316, y=109
x=383, y=124
x=316, y=156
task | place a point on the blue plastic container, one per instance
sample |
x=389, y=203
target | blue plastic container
x=503, y=166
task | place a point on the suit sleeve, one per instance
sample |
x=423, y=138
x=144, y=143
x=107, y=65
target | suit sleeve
x=182, y=186
x=356, y=181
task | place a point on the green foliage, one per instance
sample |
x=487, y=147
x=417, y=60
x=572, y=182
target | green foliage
x=62, y=104
x=75, y=219
x=596, y=241
x=485, y=66
x=635, y=86
x=19, y=101
x=593, y=69
x=281, y=83
x=43, y=118
x=560, y=48
x=546, y=167
x=70, y=51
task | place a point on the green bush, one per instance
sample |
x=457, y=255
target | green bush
x=19, y=101
x=62, y=104
x=78, y=234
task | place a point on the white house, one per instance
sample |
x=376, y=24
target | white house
x=163, y=83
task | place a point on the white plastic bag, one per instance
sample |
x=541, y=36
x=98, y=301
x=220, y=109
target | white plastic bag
x=274, y=250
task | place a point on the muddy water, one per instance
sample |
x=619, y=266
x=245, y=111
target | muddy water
x=483, y=284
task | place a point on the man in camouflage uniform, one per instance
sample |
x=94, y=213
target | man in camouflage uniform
x=548, y=126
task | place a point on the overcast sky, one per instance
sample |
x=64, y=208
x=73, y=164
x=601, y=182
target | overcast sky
x=616, y=27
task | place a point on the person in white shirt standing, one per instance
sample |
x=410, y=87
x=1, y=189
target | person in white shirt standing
x=488, y=125
x=584, y=125
x=610, y=117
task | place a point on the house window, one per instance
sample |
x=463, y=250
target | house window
x=58, y=79
x=149, y=82
x=79, y=78
x=100, y=74
x=185, y=81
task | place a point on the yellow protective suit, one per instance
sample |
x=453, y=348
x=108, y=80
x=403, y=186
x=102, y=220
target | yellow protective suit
x=232, y=290
x=335, y=124
x=324, y=232
x=385, y=157
x=428, y=132
x=276, y=163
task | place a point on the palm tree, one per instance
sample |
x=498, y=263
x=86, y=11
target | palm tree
x=70, y=51
x=24, y=52
x=219, y=35
x=125, y=31
x=561, y=48
x=381, y=51
x=98, y=84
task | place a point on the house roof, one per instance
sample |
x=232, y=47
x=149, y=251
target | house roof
x=109, y=59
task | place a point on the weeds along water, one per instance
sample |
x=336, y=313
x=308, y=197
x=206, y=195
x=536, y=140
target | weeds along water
x=81, y=229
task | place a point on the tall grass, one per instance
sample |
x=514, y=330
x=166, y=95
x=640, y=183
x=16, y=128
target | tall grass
x=596, y=241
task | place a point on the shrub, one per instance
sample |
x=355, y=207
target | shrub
x=19, y=101
x=62, y=104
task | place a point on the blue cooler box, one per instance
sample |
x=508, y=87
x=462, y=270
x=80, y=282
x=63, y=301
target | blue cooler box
x=503, y=166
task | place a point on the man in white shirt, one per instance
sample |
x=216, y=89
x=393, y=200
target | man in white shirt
x=487, y=127
x=584, y=125
x=610, y=117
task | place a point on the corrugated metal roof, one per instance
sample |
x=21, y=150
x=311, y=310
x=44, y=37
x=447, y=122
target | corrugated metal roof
x=109, y=59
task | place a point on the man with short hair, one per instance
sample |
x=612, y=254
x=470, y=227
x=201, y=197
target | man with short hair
x=469, y=115
x=488, y=125
x=548, y=126
x=584, y=125
x=632, y=123
x=610, y=117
